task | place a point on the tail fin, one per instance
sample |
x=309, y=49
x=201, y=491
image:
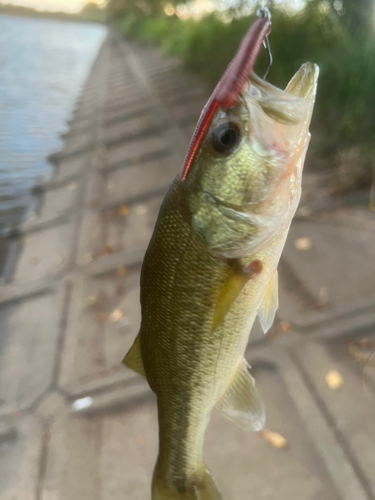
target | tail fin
x=204, y=489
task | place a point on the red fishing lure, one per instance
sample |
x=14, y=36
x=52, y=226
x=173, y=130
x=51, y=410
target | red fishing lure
x=230, y=85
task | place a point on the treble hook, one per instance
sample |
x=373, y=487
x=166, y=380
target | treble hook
x=264, y=12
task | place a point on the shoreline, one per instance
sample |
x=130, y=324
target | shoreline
x=54, y=107
x=59, y=16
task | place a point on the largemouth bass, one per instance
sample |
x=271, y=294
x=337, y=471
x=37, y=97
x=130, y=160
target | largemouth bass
x=211, y=265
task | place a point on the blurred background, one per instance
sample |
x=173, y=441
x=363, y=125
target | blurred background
x=98, y=101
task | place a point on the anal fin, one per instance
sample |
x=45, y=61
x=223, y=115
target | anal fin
x=242, y=403
x=133, y=359
x=270, y=303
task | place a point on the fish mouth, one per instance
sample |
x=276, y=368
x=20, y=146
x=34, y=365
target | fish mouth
x=304, y=82
x=303, y=85
x=279, y=119
x=292, y=105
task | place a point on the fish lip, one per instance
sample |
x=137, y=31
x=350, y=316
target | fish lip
x=290, y=106
x=302, y=85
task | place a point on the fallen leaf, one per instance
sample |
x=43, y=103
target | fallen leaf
x=115, y=315
x=274, y=438
x=280, y=327
x=285, y=326
x=371, y=206
x=121, y=271
x=123, y=210
x=334, y=379
x=302, y=243
x=106, y=250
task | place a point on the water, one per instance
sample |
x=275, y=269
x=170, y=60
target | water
x=43, y=66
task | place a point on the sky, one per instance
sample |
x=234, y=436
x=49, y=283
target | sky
x=52, y=5
x=76, y=5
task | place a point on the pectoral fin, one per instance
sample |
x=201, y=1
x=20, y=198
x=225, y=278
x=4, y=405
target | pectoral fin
x=242, y=403
x=269, y=304
x=133, y=359
x=228, y=295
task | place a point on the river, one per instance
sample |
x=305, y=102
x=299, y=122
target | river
x=43, y=67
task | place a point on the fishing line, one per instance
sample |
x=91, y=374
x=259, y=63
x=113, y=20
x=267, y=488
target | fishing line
x=266, y=45
x=263, y=11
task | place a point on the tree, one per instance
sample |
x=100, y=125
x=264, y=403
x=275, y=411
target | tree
x=92, y=11
x=117, y=9
x=355, y=15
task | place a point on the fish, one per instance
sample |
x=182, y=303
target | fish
x=211, y=265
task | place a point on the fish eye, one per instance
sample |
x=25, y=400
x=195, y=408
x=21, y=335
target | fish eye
x=226, y=137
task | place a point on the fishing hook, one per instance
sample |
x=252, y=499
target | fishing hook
x=266, y=45
x=264, y=12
